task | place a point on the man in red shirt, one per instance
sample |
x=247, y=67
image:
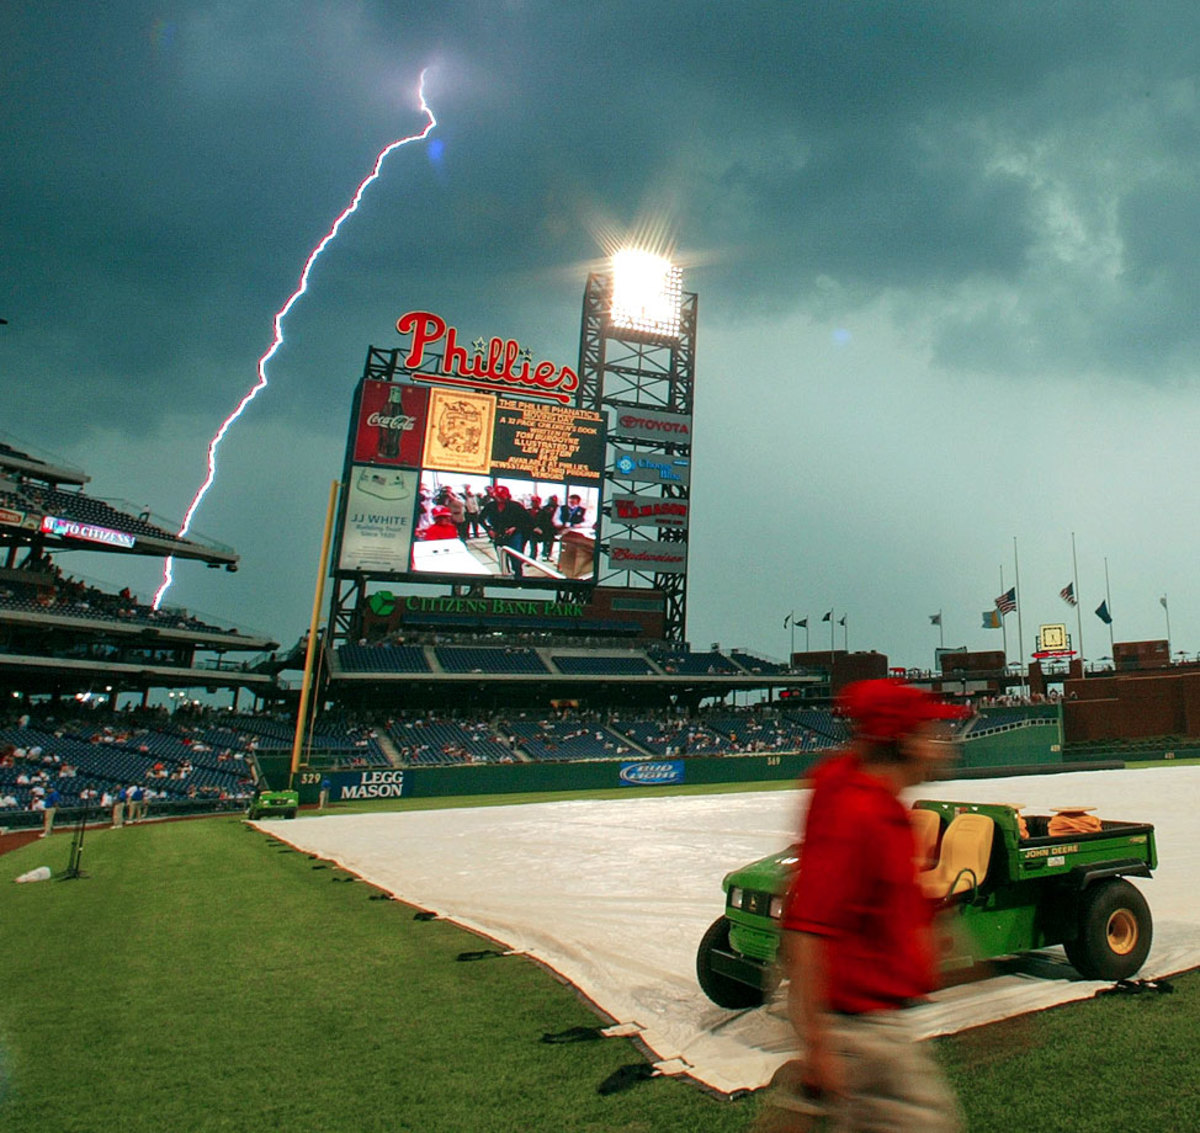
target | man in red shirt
x=858, y=941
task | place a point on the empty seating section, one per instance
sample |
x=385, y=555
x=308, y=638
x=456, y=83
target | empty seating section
x=828, y=728
x=686, y=663
x=109, y=759
x=71, y=599
x=186, y=759
x=383, y=659
x=489, y=659
x=626, y=664
x=259, y=733
x=429, y=742
x=998, y=717
x=77, y=506
x=547, y=740
x=756, y=665
x=674, y=738
x=769, y=733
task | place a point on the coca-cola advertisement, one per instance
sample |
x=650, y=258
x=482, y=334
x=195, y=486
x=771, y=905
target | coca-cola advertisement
x=391, y=424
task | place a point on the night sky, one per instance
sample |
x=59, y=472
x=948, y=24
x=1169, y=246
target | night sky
x=946, y=258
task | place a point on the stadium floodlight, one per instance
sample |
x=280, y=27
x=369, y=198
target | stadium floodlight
x=647, y=294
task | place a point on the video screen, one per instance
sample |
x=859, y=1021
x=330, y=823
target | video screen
x=509, y=529
x=453, y=484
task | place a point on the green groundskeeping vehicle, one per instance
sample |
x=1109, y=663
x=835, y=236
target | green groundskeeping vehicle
x=270, y=804
x=998, y=893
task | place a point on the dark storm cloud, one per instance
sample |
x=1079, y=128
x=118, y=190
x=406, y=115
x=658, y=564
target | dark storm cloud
x=1020, y=175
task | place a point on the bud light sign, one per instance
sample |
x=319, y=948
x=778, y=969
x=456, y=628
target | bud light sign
x=660, y=773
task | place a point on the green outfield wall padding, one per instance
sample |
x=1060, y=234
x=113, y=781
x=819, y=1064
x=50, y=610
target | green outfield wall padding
x=1021, y=747
x=519, y=778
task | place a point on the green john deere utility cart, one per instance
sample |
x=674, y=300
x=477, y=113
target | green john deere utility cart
x=274, y=804
x=1001, y=882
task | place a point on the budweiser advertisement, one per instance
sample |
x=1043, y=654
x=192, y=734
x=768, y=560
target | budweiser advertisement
x=647, y=557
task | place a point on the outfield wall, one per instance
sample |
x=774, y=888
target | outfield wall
x=1021, y=747
x=518, y=778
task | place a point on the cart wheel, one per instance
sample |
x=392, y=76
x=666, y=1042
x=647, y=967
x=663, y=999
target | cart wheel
x=1115, y=931
x=723, y=991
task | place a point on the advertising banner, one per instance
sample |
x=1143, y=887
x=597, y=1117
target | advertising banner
x=453, y=483
x=651, y=468
x=391, y=424
x=367, y=785
x=73, y=529
x=649, y=425
x=458, y=437
x=656, y=511
x=651, y=558
x=379, y=507
x=652, y=773
x=11, y=518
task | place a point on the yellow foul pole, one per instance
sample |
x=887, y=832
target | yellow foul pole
x=310, y=655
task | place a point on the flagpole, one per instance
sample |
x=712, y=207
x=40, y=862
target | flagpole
x=1003, y=623
x=846, y=633
x=1078, y=601
x=941, y=631
x=1167, y=611
x=1108, y=607
x=805, y=633
x=1020, y=625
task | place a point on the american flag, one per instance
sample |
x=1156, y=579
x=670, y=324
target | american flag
x=1067, y=594
x=1007, y=602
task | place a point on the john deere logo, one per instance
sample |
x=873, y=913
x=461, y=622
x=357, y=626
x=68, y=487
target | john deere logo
x=382, y=603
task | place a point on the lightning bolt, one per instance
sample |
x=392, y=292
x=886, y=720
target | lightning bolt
x=277, y=342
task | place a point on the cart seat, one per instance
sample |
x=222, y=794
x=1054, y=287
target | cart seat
x=927, y=825
x=963, y=863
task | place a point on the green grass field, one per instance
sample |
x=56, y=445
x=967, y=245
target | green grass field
x=204, y=977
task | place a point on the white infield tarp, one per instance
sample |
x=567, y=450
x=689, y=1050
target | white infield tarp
x=616, y=894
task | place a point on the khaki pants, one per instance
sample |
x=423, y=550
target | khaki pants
x=891, y=1083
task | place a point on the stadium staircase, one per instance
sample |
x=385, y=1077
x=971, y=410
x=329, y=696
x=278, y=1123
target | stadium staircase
x=388, y=747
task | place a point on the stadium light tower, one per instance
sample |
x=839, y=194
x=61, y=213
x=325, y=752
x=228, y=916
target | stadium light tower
x=647, y=293
x=637, y=350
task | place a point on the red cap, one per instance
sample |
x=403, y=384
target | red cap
x=440, y=511
x=889, y=709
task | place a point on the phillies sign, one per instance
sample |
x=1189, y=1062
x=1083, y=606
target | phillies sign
x=492, y=363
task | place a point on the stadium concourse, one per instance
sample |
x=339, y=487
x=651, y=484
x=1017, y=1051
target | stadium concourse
x=615, y=895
